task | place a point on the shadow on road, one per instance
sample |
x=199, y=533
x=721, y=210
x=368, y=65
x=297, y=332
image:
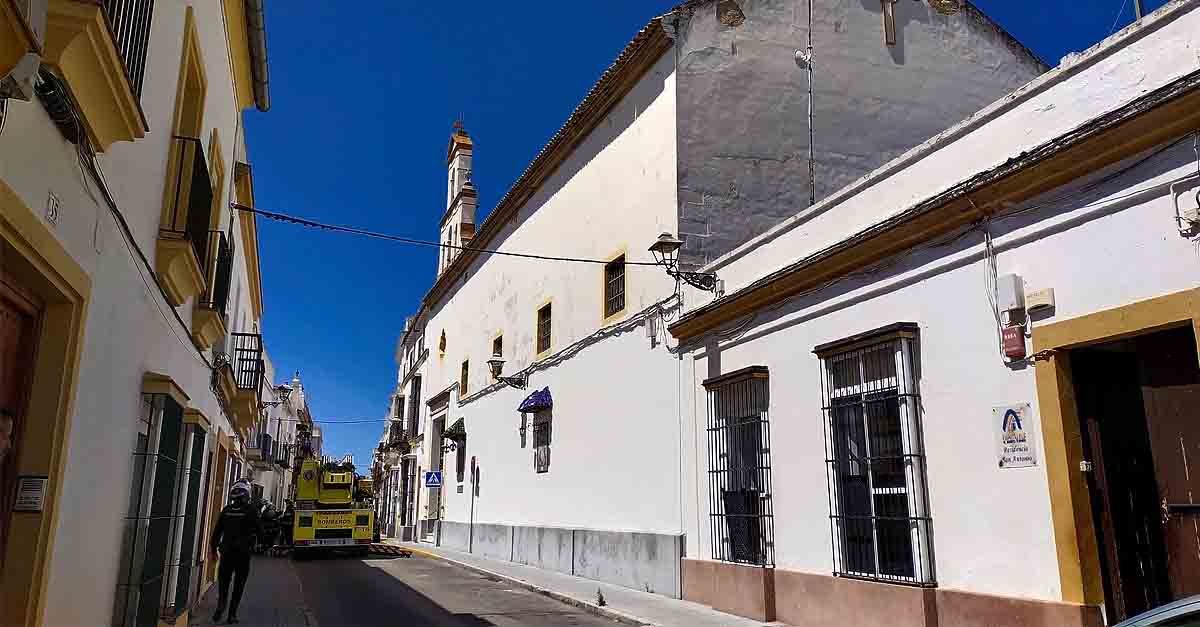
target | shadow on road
x=341, y=590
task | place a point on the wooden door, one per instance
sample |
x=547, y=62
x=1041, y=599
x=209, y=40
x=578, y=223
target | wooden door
x=19, y=315
x=1122, y=480
x=1170, y=381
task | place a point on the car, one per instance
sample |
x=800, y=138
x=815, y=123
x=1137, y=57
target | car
x=1181, y=613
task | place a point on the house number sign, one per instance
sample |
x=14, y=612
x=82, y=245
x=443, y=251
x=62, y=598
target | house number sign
x=31, y=494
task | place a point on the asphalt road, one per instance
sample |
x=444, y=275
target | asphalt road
x=419, y=591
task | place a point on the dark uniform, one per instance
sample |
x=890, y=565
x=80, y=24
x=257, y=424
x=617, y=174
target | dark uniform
x=237, y=528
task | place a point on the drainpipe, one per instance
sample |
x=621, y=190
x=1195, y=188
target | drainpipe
x=256, y=27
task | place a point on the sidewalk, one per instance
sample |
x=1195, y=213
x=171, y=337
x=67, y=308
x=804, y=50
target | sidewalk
x=273, y=598
x=626, y=605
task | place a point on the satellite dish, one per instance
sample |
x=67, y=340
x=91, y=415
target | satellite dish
x=946, y=7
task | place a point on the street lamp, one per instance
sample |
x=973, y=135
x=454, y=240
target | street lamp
x=496, y=363
x=666, y=254
x=284, y=392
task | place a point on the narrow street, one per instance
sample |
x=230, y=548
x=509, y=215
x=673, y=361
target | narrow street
x=341, y=591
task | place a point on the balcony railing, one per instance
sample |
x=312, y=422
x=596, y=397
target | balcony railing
x=247, y=362
x=218, y=270
x=261, y=446
x=192, y=198
x=130, y=21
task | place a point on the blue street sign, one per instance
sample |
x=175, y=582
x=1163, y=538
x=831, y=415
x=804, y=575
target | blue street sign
x=433, y=479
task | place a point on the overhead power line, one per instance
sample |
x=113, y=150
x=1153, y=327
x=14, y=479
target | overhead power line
x=282, y=217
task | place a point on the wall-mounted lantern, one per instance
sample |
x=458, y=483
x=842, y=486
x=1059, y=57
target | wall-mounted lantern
x=519, y=381
x=284, y=391
x=666, y=254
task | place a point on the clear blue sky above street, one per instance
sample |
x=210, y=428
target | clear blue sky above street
x=363, y=99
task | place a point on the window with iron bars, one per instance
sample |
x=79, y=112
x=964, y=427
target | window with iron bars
x=158, y=564
x=614, y=287
x=739, y=467
x=875, y=457
x=542, y=431
x=544, y=319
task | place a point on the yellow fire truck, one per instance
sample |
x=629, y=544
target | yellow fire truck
x=330, y=512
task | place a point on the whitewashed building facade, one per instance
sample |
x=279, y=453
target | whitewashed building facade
x=576, y=462
x=130, y=300
x=867, y=446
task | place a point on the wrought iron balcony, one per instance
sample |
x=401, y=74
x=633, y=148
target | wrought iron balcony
x=248, y=367
x=191, y=197
x=246, y=362
x=260, y=447
x=129, y=21
x=218, y=272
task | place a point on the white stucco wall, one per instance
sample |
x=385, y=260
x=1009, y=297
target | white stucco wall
x=614, y=453
x=992, y=530
x=126, y=334
x=1121, y=69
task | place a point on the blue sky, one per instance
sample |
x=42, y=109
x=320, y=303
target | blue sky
x=362, y=104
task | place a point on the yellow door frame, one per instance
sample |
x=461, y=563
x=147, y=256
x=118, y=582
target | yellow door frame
x=31, y=254
x=1070, y=503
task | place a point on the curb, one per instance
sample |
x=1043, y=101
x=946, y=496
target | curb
x=586, y=606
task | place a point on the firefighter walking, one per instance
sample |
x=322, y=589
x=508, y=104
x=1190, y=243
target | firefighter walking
x=237, y=529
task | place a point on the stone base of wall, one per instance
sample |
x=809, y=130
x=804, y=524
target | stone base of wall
x=808, y=600
x=643, y=561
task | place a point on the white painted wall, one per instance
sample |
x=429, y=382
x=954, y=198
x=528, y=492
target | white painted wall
x=128, y=330
x=614, y=453
x=991, y=527
x=1119, y=70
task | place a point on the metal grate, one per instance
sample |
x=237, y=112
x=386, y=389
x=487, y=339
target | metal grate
x=545, y=316
x=130, y=22
x=152, y=520
x=875, y=458
x=248, y=361
x=614, y=286
x=543, y=423
x=739, y=467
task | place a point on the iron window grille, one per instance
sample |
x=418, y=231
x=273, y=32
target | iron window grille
x=218, y=272
x=875, y=458
x=414, y=407
x=545, y=316
x=158, y=561
x=614, y=287
x=130, y=22
x=542, y=436
x=192, y=198
x=460, y=459
x=739, y=467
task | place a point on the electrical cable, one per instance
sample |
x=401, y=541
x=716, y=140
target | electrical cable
x=87, y=157
x=736, y=331
x=1117, y=20
x=282, y=217
x=3, y=113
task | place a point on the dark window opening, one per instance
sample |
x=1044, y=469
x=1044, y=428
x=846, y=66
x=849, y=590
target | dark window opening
x=614, y=287
x=543, y=329
x=875, y=455
x=739, y=467
x=460, y=462
x=464, y=379
x=542, y=427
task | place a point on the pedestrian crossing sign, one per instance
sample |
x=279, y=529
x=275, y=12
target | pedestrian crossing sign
x=433, y=479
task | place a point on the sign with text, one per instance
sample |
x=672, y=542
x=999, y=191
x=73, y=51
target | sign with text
x=433, y=479
x=31, y=494
x=1014, y=426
